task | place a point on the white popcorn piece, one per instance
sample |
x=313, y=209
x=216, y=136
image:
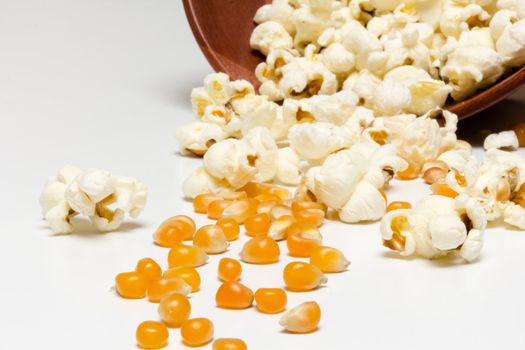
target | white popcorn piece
x=196, y=138
x=278, y=11
x=270, y=35
x=337, y=59
x=506, y=140
x=304, y=77
x=255, y=111
x=266, y=153
x=98, y=194
x=288, y=166
x=511, y=44
x=315, y=141
x=435, y=227
x=364, y=84
x=200, y=181
x=334, y=109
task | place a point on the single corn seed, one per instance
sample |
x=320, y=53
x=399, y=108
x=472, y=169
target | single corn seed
x=197, y=331
x=233, y=196
x=278, y=228
x=300, y=277
x=241, y=209
x=411, y=172
x=268, y=198
x=174, y=230
x=270, y=300
x=229, y=344
x=258, y=225
x=519, y=129
x=202, y=201
x=211, y=239
x=234, y=295
x=328, y=259
x=302, y=239
x=151, y=335
x=260, y=250
x=298, y=206
x=186, y=255
x=442, y=189
x=398, y=205
x=166, y=285
x=280, y=210
x=230, y=228
x=265, y=206
x=433, y=175
x=217, y=207
x=229, y=270
x=282, y=193
x=187, y=274
x=149, y=268
x=312, y=217
x=174, y=309
x=254, y=189
x=131, y=285
x=303, y=318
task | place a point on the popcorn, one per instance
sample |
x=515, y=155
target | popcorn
x=506, y=140
x=288, y=166
x=196, y=138
x=95, y=193
x=200, y=181
x=511, y=44
x=270, y=35
x=315, y=141
x=435, y=227
x=350, y=181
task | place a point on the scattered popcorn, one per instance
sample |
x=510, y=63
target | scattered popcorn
x=97, y=194
x=504, y=140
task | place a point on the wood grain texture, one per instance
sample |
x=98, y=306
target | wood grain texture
x=223, y=28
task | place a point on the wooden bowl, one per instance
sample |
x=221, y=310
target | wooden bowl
x=223, y=28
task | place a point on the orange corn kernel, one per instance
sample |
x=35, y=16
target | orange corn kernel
x=267, y=206
x=519, y=129
x=411, y=172
x=312, y=217
x=151, y=335
x=202, y=201
x=197, y=331
x=241, y=209
x=165, y=285
x=270, y=300
x=398, y=205
x=131, y=285
x=297, y=206
x=174, y=230
x=229, y=344
x=229, y=270
x=187, y=274
x=149, y=268
x=300, y=277
x=230, y=228
x=443, y=189
x=216, y=208
x=174, y=309
x=254, y=189
x=186, y=255
x=280, y=210
x=258, y=225
x=303, y=318
x=233, y=196
x=234, y=295
x=328, y=259
x=268, y=198
x=211, y=239
x=260, y=250
x=278, y=228
x=302, y=239
x=282, y=193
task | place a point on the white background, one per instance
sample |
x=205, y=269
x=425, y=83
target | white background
x=105, y=84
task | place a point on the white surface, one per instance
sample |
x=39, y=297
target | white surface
x=105, y=84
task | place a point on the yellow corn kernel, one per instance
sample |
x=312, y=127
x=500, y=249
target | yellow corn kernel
x=211, y=239
x=187, y=274
x=398, y=205
x=229, y=344
x=302, y=239
x=303, y=318
x=233, y=196
x=258, y=225
x=260, y=250
x=166, y=285
x=149, y=268
x=241, y=209
x=442, y=189
x=234, y=295
x=265, y=206
x=300, y=277
x=187, y=256
x=197, y=331
x=230, y=228
x=278, y=228
x=174, y=230
x=152, y=335
x=411, y=172
x=312, y=217
x=202, y=201
x=270, y=300
x=280, y=210
x=328, y=259
x=174, y=309
x=217, y=207
x=433, y=175
x=229, y=270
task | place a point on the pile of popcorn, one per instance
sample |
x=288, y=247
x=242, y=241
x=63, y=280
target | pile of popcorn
x=102, y=197
x=351, y=95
